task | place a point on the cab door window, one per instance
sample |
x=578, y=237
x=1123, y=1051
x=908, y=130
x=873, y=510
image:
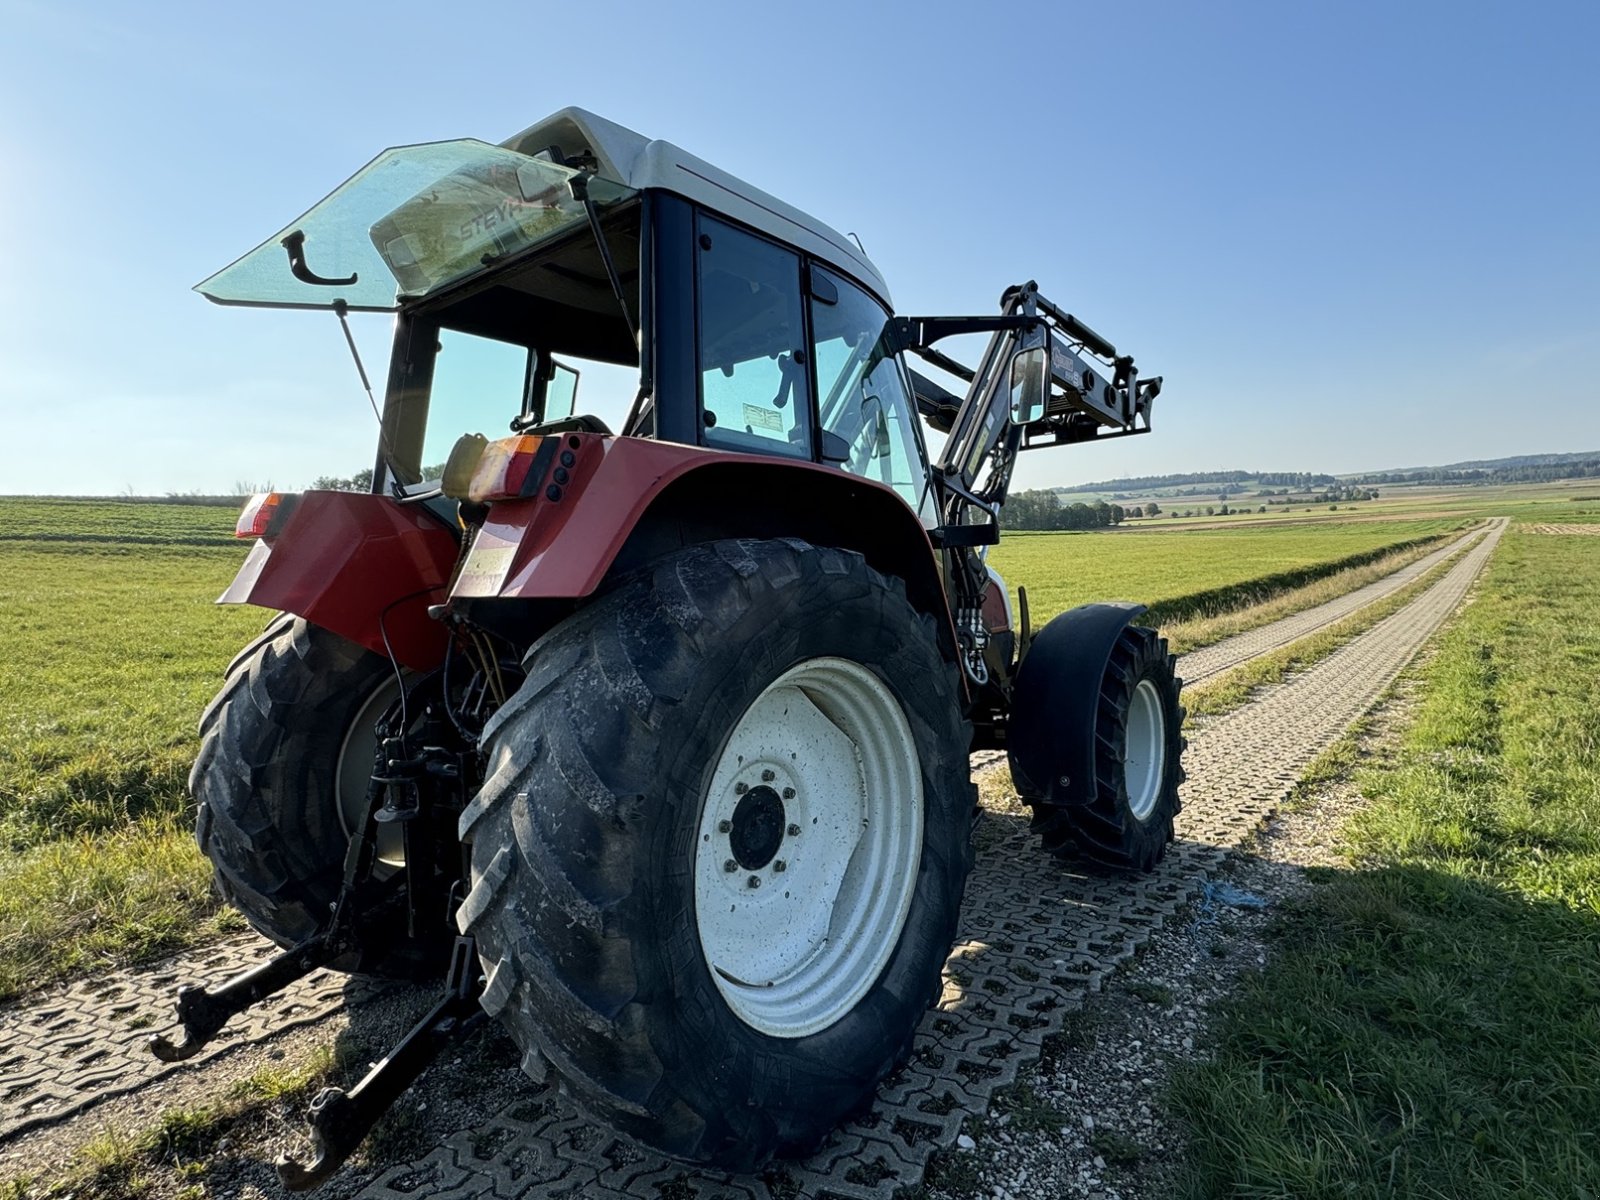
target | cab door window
x=754, y=392
x=861, y=388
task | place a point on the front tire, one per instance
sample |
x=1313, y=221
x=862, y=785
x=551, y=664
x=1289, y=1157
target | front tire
x=753, y=703
x=1121, y=819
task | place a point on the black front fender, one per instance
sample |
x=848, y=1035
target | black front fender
x=1052, y=727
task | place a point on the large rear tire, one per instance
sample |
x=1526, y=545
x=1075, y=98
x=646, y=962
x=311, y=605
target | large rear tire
x=286, y=748
x=1121, y=820
x=744, y=711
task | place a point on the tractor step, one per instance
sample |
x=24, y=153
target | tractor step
x=340, y=1120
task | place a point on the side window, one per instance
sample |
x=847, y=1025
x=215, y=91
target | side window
x=862, y=391
x=477, y=388
x=753, y=390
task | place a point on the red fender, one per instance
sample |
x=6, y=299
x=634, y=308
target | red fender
x=368, y=568
x=359, y=565
x=623, y=501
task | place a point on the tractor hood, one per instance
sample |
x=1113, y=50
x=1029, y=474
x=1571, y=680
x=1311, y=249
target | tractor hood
x=413, y=220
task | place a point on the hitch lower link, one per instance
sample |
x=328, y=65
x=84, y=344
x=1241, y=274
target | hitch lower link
x=203, y=1013
x=340, y=1120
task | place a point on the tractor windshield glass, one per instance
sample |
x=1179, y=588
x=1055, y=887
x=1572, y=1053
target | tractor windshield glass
x=409, y=222
x=863, y=397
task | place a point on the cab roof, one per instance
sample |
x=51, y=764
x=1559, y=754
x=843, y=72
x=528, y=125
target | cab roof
x=638, y=162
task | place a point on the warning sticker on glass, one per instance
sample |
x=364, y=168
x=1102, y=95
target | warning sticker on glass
x=767, y=419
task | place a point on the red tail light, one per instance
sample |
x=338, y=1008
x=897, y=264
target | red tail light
x=500, y=470
x=258, y=515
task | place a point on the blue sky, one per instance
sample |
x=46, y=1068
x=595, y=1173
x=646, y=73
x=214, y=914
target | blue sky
x=1349, y=235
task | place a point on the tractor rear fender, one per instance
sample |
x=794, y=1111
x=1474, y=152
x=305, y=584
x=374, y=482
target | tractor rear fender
x=627, y=501
x=1053, y=716
x=360, y=565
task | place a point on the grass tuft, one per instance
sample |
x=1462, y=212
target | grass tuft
x=83, y=904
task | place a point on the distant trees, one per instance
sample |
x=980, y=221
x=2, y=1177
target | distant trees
x=1534, y=468
x=1344, y=492
x=1152, y=509
x=1041, y=510
x=361, y=481
x=1299, y=480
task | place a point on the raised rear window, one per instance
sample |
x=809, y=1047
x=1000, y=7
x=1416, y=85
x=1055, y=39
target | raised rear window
x=411, y=221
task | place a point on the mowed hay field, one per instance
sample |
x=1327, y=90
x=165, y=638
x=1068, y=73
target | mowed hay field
x=111, y=645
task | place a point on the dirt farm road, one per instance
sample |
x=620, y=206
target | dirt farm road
x=1035, y=943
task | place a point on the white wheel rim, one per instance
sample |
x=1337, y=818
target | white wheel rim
x=1145, y=761
x=353, y=773
x=797, y=950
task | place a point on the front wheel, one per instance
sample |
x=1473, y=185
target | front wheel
x=719, y=856
x=1113, y=807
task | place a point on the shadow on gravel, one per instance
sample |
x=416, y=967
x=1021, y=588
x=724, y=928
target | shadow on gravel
x=1036, y=936
x=465, y=1087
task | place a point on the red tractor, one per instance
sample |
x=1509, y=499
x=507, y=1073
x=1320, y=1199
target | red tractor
x=655, y=742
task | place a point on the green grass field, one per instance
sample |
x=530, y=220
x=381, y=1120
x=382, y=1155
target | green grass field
x=108, y=652
x=1061, y=570
x=115, y=522
x=1429, y=1024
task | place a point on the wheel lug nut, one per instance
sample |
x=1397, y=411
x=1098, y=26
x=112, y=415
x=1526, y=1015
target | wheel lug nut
x=780, y=865
x=788, y=793
x=754, y=881
x=794, y=831
x=730, y=866
x=724, y=826
x=740, y=788
x=768, y=775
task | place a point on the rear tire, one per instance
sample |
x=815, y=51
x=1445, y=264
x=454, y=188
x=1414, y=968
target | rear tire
x=1124, y=822
x=267, y=780
x=598, y=847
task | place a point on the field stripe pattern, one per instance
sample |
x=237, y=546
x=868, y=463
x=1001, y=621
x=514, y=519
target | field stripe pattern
x=1035, y=939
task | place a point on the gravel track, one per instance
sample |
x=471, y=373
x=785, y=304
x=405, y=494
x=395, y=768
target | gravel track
x=1035, y=941
x=1208, y=661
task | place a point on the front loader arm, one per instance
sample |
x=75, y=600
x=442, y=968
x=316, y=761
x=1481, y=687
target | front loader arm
x=1045, y=379
x=1081, y=398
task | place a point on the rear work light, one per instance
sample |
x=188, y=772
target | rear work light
x=481, y=470
x=258, y=515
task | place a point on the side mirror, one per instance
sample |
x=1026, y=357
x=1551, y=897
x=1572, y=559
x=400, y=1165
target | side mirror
x=561, y=400
x=1030, y=384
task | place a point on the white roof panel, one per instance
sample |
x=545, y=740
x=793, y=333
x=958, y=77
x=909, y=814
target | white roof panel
x=632, y=159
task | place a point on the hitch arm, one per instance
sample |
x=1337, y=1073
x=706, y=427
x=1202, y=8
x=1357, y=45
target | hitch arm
x=340, y=1120
x=203, y=1013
